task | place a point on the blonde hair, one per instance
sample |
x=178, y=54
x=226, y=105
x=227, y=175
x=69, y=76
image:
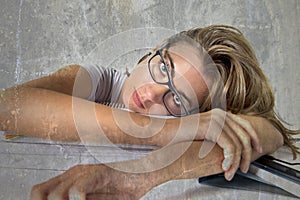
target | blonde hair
x=245, y=87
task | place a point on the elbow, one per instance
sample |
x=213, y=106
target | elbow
x=281, y=141
x=278, y=141
x=278, y=137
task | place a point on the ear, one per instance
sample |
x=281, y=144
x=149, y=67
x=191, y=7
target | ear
x=127, y=72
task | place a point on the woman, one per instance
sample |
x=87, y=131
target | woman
x=174, y=79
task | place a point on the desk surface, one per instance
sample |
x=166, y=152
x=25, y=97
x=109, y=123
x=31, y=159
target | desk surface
x=28, y=161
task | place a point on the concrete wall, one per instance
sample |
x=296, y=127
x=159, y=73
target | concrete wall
x=39, y=37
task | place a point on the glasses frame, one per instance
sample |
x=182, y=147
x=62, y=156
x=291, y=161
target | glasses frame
x=169, y=84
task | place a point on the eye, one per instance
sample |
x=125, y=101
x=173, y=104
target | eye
x=163, y=68
x=176, y=100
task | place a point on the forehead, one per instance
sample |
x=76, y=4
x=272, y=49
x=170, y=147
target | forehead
x=188, y=64
x=191, y=56
x=189, y=81
x=185, y=59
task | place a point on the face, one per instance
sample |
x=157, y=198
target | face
x=146, y=91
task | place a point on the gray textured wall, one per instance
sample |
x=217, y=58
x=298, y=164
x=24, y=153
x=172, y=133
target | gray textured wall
x=38, y=37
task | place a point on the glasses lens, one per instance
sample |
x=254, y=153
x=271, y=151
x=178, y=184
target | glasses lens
x=160, y=73
x=173, y=104
x=158, y=69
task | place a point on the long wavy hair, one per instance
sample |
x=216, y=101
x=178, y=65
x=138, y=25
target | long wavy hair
x=244, y=85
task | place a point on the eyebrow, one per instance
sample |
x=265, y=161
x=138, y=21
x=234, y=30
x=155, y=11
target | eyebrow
x=172, y=74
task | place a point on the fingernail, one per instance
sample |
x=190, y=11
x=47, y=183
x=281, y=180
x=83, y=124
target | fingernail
x=226, y=153
x=226, y=161
x=229, y=176
x=246, y=169
x=225, y=164
x=260, y=149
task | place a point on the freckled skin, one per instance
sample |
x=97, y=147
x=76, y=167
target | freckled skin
x=106, y=182
x=187, y=77
x=42, y=96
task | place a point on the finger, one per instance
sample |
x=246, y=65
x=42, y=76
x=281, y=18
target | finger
x=37, y=193
x=236, y=158
x=246, y=125
x=42, y=190
x=218, y=133
x=245, y=140
x=112, y=197
x=216, y=124
x=228, y=147
x=77, y=195
x=232, y=143
x=61, y=191
x=83, y=187
x=213, y=132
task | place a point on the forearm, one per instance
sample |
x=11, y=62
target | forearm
x=38, y=113
x=164, y=165
x=178, y=161
x=189, y=165
x=48, y=114
x=131, y=179
x=57, y=116
x=269, y=137
x=52, y=115
x=192, y=166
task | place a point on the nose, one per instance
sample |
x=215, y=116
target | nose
x=154, y=93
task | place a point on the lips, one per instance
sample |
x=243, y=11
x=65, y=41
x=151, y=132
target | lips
x=137, y=100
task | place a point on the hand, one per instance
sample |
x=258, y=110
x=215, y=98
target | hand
x=93, y=182
x=235, y=136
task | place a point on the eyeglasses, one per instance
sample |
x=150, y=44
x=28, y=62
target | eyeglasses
x=161, y=74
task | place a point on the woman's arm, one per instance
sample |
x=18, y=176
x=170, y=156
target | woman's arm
x=40, y=112
x=41, y=107
x=45, y=108
x=50, y=107
x=133, y=179
x=63, y=80
x=103, y=181
x=244, y=138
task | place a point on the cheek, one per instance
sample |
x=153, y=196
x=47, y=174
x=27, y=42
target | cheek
x=157, y=109
x=127, y=96
x=128, y=90
x=202, y=91
x=140, y=75
x=198, y=87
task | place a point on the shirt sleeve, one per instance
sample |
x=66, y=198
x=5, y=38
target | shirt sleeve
x=106, y=83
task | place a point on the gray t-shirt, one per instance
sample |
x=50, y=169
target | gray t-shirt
x=106, y=83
